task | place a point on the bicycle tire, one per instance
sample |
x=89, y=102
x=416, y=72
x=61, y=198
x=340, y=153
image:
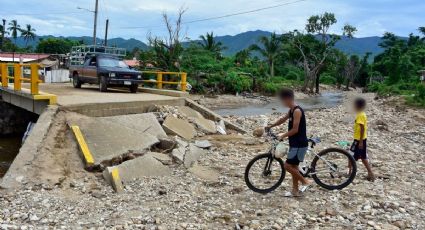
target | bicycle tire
x=350, y=178
x=272, y=188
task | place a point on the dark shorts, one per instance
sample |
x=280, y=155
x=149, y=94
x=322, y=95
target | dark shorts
x=359, y=153
x=296, y=155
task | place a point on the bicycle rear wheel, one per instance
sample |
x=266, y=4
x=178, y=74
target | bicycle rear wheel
x=264, y=173
x=331, y=169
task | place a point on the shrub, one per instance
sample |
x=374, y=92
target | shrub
x=235, y=83
x=328, y=79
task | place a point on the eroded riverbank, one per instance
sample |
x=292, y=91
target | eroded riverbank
x=183, y=201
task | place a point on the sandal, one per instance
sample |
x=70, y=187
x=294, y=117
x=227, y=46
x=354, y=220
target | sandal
x=290, y=194
x=304, y=188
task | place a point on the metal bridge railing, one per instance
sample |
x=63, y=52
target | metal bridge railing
x=160, y=82
x=18, y=76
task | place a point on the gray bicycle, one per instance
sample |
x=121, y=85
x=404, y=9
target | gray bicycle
x=330, y=168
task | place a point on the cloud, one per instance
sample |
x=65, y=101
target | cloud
x=62, y=17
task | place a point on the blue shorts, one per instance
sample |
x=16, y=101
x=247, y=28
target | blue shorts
x=296, y=155
x=359, y=153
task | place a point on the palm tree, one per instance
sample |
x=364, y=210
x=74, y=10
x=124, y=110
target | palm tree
x=14, y=28
x=28, y=34
x=209, y=43
x=270, y=48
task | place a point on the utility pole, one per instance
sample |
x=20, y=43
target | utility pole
x=106, y=32
x=2, y=35
x=95, y=21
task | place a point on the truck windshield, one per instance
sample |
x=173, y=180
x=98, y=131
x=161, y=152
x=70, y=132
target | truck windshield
x=110, y=62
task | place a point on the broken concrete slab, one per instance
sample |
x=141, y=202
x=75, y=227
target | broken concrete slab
x=207, y=113
x=192, y=155
x=205, y=125
x=189, y=112
x=204, y=173
x=107, y=140
x=179, y=152
x=204, y=144
x=167, y=144
x=221, y=127
x=112, y=177
x=144, y=166
x=144, y=123
x=161, y=157
x=182, y=128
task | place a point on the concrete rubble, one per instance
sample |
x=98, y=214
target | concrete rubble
x=199, y=198
x=107, y=140
x=179, y=127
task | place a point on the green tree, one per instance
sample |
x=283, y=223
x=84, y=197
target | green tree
x=270, y=48
x=14, y=29
x=209, y=43
x=55, y=46
x=314, y=55
x=28, y=34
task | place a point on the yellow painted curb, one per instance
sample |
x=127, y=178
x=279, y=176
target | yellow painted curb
x=116, y=180
x=51, y=97
x=83, y=145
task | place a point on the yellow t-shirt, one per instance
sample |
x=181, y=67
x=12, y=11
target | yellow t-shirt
x=361, y=119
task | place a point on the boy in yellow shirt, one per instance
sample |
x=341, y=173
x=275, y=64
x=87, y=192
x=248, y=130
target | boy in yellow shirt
x=360, y=136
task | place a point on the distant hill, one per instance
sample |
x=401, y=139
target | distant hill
x=129, y=44
x=236, y=43
x=358, y=46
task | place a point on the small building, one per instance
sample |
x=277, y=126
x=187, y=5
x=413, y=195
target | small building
x=22, y=57
x=133, y=63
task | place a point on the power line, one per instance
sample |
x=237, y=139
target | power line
x=54, y=13
x=222, y=16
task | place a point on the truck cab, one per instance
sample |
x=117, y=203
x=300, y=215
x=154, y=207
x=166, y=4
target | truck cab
x=105, y=70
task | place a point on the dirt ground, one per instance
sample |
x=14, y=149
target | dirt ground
x=83, y=200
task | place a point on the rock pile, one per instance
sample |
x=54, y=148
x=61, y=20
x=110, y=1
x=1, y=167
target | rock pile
x=188, y=199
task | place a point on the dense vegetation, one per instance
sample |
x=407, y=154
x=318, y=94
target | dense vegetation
x=295, y=59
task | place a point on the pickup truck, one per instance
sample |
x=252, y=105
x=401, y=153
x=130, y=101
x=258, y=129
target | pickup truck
x=105, y=70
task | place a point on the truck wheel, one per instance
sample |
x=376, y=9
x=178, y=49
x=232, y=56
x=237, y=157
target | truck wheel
x=103, y=87
x=134, y=88
x=76, y=81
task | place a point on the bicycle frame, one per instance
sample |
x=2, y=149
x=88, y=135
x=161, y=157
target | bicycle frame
x=304, y=167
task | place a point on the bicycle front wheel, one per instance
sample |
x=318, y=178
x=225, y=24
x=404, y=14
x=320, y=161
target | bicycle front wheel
x=264, y=173
x=333, y=168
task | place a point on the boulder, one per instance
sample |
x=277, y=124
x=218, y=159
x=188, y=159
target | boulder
x=179, y=127
x=179, y=152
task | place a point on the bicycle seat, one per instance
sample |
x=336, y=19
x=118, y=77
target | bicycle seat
x=314, y=140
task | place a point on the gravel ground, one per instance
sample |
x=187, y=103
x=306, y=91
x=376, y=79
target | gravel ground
x=183, y=201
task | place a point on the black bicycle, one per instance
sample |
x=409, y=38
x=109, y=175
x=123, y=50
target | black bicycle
x=329, y=168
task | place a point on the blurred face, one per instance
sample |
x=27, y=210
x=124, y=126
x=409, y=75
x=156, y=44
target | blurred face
x=287, y=102
x=356, y=108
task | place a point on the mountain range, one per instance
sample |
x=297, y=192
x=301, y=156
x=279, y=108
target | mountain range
x=234, y=44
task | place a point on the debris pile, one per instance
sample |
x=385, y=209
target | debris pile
x=211, y=193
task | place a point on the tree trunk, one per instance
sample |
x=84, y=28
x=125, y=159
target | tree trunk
x=272, y=68
x=318, y=84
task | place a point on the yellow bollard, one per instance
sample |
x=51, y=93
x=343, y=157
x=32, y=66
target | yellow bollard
x=17, y=77
x=4, y=74
x=34, y=79
x=159, y=80
x=184, y=81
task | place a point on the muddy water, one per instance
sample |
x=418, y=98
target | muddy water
x=9, y=148
x=325, y=100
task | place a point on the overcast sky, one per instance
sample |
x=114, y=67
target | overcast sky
x=61, y=17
